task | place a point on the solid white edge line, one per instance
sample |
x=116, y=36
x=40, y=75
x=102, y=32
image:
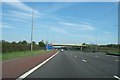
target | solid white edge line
x=116, y=77
x=33, y=69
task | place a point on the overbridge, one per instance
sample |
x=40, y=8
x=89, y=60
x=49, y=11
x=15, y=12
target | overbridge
x=71, y=45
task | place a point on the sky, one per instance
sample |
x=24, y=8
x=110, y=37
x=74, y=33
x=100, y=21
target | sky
x=61, y=22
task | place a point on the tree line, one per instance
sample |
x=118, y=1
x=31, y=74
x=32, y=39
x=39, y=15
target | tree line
x=21, y=46
x=111, y=45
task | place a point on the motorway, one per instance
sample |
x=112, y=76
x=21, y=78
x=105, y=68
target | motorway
x=77, y=64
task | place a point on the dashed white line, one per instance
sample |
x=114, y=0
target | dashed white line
x=117, y=60
x=116, y=77
x=71, y=54
x=107, y=55
x=75, y=56
x=33, y=69
x=84, y=60
x=97, y=56
x=115, y=56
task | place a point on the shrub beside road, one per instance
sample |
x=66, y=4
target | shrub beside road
x=110, y=49
x=12, y=50
x=0, y=56
x=21, y=46
x=13, y=55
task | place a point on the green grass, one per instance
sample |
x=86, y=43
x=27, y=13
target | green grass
x=0, y=56
x=110, y=50
x=13, y=55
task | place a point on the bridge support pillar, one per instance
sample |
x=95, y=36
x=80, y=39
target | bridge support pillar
x=81, y=48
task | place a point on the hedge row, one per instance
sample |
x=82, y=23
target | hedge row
x=20, y=46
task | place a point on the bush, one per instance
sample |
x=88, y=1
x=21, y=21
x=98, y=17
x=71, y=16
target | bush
x=20, y=46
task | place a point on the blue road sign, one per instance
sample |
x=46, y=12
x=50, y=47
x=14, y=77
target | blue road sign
x=49, y=47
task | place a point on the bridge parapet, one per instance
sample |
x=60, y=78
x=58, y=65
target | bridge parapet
x=69, y=45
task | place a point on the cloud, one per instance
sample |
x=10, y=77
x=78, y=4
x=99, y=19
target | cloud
x=22, y=6
x=19, y=16
x=87, y=27
x=19, y=20
x=78, y=26
x=106, y=32
x=84, y=22
x=59, y=30
x=6, y=26
x=18, y=4
x=20, y=13
x=23, y=12
x=56, y=7
x=80, y=19
x=25, y=8
x=67, y=24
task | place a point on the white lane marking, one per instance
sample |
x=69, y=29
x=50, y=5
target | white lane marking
x=117, y=60
x=84, y=60
x=116, y=77
x=36, y=67
x=114, y=56
x=97, y=56
x=71, y=54
x=107, y=55
x=75, y=56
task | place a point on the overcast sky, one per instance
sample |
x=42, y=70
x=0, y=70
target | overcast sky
x=65, y=22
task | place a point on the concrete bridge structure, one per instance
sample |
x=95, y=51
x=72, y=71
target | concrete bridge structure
x=70, y=45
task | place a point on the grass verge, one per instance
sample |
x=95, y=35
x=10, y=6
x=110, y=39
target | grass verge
x=113, y=53
x=0, y=56
x=13, y=55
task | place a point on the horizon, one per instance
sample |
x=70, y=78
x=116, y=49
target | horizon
x=55, y=43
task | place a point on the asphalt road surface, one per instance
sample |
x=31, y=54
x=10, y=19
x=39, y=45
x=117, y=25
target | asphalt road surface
x=77, y=64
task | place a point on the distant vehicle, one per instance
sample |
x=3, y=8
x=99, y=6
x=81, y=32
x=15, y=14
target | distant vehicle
x=61, y=50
